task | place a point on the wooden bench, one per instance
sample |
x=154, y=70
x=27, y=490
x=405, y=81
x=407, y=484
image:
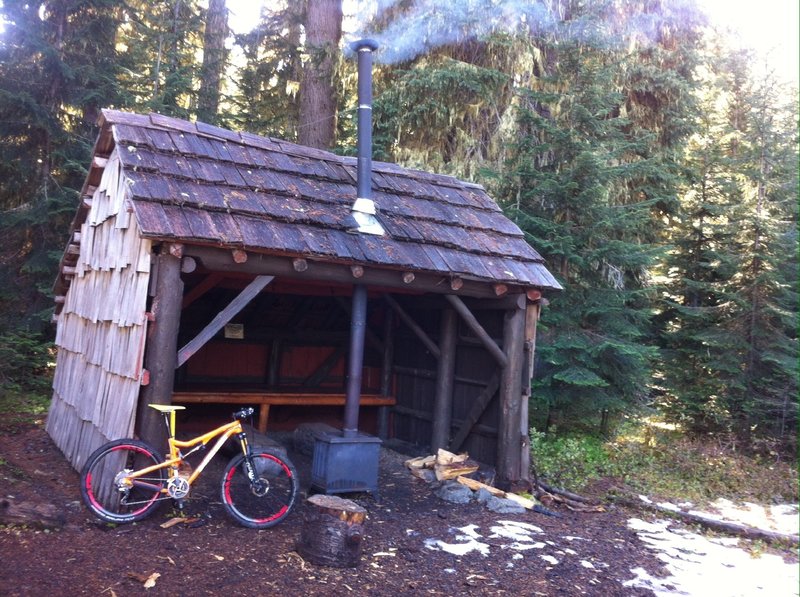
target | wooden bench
x=266, y=399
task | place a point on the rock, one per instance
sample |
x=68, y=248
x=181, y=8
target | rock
x=454, y=492
x=504, y=506
x=425, y=474
x=482, y=496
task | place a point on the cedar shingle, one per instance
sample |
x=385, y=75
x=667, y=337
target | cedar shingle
x=200, y=182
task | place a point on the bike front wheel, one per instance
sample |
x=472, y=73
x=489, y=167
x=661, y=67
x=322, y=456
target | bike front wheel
x=265, y=497
x=108, y=491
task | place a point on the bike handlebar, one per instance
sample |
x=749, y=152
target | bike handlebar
x=245, y=413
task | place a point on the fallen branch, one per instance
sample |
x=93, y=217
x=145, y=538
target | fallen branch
x=45, y=516
x=564, y=493
x=730, y=528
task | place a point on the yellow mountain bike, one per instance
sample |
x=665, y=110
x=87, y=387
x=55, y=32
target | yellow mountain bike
x=125, y=480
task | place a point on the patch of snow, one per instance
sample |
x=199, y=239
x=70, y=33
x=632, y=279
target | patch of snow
x=587, y=564
x=471, y=531
x=700, y=565
x=519, y=546
x=458, y=549
x=515, y=530
x=573, y=538
x=668, y=506
x=549, y=559
x=783, y=518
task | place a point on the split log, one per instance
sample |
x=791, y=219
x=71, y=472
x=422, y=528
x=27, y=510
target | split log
x=43, y=516
x=720, y=526
x=332, y=533
x=453, y=470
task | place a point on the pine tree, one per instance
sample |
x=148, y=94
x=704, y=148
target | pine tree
x=57, y=69
x=699, y=358
x=730, y=323
x=159, y=42
x=266, y=101
x=592, y=180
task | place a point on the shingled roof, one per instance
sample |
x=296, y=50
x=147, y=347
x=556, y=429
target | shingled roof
x=199, y=184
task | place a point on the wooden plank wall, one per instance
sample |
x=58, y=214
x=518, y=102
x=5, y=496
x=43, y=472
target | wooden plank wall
x=415, y=371
x=102, y=328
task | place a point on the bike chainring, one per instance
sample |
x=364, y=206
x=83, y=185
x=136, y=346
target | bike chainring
x=178, y=488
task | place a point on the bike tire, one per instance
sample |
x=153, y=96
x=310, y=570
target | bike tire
x=260, y=510
x=99, y=490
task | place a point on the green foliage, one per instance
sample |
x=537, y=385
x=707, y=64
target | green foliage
x=729, y=318
x=648, y=456
x=569, y=461
x=25, y=362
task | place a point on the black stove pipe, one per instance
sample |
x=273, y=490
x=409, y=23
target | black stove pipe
x=366, y=208
x=364, y=49
x=358, y=325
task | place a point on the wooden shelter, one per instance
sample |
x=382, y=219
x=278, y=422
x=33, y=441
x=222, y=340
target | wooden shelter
x=212, y=266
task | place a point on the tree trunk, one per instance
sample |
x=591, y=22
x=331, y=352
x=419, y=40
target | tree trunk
x=213, y=61
x=323, y=23
x=332, y=531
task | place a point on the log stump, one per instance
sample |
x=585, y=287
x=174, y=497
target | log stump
x=332, y=532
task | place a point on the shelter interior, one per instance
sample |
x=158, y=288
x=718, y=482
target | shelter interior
x=287, y=350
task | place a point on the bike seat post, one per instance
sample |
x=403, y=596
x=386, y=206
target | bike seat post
x=169, y=421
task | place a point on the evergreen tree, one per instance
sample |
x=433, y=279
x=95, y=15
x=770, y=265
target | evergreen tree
x=699, y=359
x=266, y=101
x=57, y=68
x=159, y=42
x=592, y=180
x=730, y=324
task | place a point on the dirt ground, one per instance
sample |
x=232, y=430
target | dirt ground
x=405, y=550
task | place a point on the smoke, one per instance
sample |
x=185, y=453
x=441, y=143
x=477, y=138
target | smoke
x=419, y=26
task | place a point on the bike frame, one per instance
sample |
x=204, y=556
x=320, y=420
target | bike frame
x=175, y=457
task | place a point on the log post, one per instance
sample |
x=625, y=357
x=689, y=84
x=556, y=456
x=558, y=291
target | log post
x=443, y=401
x=510, y=441
x=531, y=321
x=161, y=349
x=387, y=368
x=332, y=533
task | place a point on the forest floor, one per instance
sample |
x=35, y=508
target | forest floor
x=415, y=543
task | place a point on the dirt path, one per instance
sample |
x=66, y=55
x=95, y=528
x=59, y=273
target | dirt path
x=416, y=544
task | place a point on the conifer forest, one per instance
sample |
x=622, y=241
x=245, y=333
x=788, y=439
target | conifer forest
x=654, y=166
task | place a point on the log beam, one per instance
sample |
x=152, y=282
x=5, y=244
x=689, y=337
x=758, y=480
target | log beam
x=409, y=321
x=476, y=410
x=219, y=259
x=223, y=317
x=496, y=352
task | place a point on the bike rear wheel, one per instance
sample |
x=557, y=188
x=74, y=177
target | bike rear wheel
x=106, y=491
x=265, y=500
